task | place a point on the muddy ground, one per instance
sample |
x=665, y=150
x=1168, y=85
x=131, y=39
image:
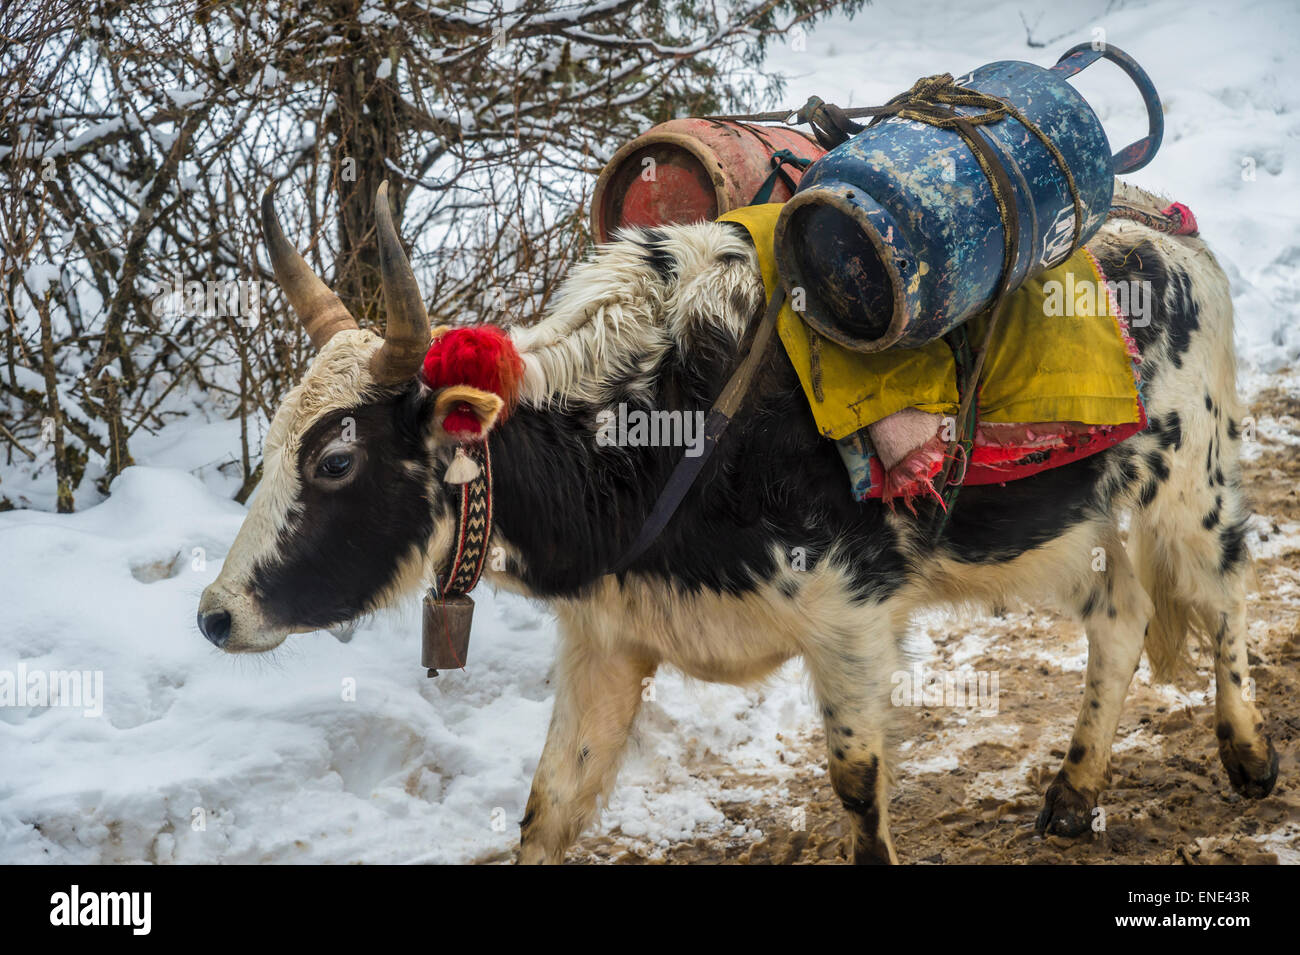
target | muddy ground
x=968, y=787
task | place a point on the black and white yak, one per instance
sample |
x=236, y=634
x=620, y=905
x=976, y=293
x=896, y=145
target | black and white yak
x=348, y=519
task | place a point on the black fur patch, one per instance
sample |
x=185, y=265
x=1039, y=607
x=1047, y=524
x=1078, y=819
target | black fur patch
x=1212, y=518
x=1232, y=543
x=1174, y=316
x=1090, y=604
x=656, y=254
x=1182, y=307
x=1171, y=433
x=1149, y=491
x=1157, y=465
x=344, y=545
x=572, y=506
x=992, y=523
x=856, y=787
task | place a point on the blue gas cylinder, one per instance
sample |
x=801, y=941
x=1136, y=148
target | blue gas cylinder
x=895, y=236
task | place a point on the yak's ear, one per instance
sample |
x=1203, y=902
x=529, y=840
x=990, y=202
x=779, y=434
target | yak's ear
x=462, y=413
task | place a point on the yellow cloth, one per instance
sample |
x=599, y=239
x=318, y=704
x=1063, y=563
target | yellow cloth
x=1043, y=365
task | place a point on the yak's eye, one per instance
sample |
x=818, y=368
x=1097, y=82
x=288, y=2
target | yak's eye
x=334, y=466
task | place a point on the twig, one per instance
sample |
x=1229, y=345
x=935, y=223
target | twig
x=15, y=442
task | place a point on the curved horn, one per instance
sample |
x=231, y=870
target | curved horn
x=407, y=337
x=321, y=311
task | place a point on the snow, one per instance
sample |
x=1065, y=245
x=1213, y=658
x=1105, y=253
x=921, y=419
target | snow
x=322, y=752
x=36, y=150
x=182, y=97
x=344, y=752
x=41, y=276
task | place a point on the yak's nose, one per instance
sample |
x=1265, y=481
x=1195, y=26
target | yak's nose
x=215, y=625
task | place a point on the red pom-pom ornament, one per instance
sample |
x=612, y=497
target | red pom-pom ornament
x=482, y=357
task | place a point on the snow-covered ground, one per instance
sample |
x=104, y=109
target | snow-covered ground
x=342, y=752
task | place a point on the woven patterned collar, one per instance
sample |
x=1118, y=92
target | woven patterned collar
x=473, y=510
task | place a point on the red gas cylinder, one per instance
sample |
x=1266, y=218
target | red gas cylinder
x=692, y=170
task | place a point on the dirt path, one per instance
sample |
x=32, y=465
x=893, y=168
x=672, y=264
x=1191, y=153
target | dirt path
x=969, y=786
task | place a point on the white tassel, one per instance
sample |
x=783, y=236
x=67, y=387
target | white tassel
x=462, y=469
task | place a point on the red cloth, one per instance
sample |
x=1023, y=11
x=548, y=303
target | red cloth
x=1008, y=452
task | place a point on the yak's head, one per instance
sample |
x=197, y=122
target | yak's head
x=349, y=512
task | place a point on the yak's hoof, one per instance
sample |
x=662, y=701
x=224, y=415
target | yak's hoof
x=1251, y=776
x=1066, y=811
x=874, y=852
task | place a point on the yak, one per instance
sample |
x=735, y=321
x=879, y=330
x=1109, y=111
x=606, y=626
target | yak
x=349, y=519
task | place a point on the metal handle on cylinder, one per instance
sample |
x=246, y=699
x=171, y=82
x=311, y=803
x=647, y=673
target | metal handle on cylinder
x=1135, y=155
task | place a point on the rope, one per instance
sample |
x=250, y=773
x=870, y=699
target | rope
x=1175, y=219
x=935, y=101
x=923, y=104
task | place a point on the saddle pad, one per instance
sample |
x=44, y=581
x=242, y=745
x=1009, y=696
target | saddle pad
x=1061, y=358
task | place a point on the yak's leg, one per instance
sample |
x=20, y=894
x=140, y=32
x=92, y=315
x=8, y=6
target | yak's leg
x=1115, y=612
x=597, y=695
x=1217, y=584
x=1192, y=548
x=1245, y=751
x=850, y=675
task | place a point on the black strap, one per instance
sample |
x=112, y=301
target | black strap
x=715, y=425
x=670, y=498
x=831, y=125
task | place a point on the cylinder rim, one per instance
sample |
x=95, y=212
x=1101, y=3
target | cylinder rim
x=792, y=275
x=706, y=157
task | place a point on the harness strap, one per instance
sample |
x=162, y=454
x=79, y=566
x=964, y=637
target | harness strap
x=831, y=125
x=968, y=370
x=759, y=339
x=779, y=159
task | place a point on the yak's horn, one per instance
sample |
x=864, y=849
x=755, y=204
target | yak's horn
x=321, y=311
x=406, y=338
